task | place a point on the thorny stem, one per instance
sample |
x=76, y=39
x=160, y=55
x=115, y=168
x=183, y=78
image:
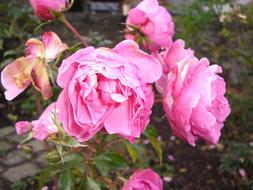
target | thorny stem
x=74, y=31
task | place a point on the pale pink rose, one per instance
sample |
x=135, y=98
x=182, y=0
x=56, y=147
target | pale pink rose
x=42, y=8
x=144, y=180
x=152, y=21
x=107, y=88
x=22, y=127
x=17, y=76
x=45, y=125
x=45, y=188
x=193, y=96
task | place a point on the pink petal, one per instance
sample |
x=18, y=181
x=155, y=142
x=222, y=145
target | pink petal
x=53, y=46
x=35, y=48
x=69, y=66
x=119, y=120
x=40, y=79
x=149, y=68
x=22, y=127
x=15, y=77
x=45, y=126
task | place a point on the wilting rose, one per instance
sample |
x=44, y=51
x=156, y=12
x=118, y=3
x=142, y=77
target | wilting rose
x=42, y=8
x=17, y=76
x=150, y=23
x=45, y=125
x=22, y=127
x=193, y=96
x=144, y=180
x=107, y=88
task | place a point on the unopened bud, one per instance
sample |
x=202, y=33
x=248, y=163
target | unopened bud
x=53, y=157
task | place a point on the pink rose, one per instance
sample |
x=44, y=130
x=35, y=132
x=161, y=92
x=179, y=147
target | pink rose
x=32, y=68
x=22, y=127
x=144, y=180
x=42, y=7
x=45, y=125
x=107, y=88
x=193, y=95
x=152, y=23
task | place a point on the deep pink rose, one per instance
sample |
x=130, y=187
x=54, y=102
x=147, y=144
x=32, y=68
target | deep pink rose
x=153, y=21
x=144, y=180
x=193, y=95
x=107, y=88
x=42, y=7
x=45, y=125
x=22, y=127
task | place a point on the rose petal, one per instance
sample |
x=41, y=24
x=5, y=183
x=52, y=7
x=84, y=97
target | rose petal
x=53, y=46
x=149, y=68
x=35, y=48
x=15, y=77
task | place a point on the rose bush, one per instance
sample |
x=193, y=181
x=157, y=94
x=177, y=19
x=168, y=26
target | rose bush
x=108, y=94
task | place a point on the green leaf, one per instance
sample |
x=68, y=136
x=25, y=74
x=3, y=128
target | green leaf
x=151, y=134
x=66, y=181
x=92, y=185
x=157, y=146
x=76, y=158
x=10, y=53
x=71, y=142
x=108, y=161
x=132, y=151
x=150, y=131
x=59, y=150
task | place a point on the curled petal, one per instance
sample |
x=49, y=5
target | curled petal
x=53, y=46
x=16, y=78
x=35, y=48
x=40, y=79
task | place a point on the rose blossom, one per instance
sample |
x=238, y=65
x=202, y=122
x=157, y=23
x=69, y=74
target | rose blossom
x=193, y=95
x=32, y=68
x=22, y=127
x=45, y=126
x=154, y=23
x=42, y=7
x=107, y=88
x=145, y=180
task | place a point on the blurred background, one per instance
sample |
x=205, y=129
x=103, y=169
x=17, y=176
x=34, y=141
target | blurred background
x=221, y=30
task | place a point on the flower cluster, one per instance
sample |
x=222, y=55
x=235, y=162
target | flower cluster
x=110, y=90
